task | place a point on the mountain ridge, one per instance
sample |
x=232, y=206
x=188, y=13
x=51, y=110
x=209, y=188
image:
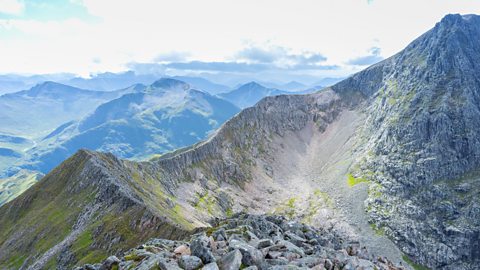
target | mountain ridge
x=400, y=152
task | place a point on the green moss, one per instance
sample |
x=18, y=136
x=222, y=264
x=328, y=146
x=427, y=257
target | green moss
x=414, y=265
x=94, y=256
x=391, y=101
x=206, y=202
x=83, y=241
x=291, y=203
x=287, y=208
x=229, y=212
x=352, y=181
x=15, y=261
x=133, y=257
x=380, y=231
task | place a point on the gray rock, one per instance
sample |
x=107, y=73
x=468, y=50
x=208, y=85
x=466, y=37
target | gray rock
x=211, y=266
x=263, y=243
x=231, y=260
x=190, y=262
x=109, y=263
x=250, y=255
x=200, y=248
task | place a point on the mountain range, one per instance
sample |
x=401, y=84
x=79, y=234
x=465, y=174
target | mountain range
x=387, y=158
x=250, y=93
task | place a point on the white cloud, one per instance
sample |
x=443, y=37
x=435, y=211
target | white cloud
x=11, y=7
x=215, y=30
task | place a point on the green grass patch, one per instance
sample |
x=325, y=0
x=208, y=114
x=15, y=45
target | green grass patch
x=352, y=181
x=380, y=231
x=84, y=240
x=414, y=265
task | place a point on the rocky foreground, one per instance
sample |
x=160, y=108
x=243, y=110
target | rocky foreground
x=250, y=242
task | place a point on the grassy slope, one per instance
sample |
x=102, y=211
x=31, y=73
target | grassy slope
x=46, y=213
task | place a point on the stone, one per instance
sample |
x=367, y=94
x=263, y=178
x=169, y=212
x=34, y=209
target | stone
x=109, y=263
x=182, y=250
x=250, y=255
x=211, y=266
x=200, y=248
x=188, y=262
x=263, y=243
x=231, y=260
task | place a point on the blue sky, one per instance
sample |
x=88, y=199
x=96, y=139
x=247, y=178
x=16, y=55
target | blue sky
x=322, y=38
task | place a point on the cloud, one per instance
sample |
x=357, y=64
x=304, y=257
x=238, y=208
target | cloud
x=247, y=60
x=372, y=58
x=222, y=67
x=279, y=56
x=13, y=7
x=172, y=57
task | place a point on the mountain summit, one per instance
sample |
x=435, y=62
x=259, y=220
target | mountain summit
x=402, y=136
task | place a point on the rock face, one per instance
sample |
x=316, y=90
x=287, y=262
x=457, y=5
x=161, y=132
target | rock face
x=233, y=241
x=422, y=144
x=406, y=127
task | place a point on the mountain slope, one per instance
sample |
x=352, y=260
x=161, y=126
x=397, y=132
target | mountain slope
x=204, y=84
x=164, y=116
x=249, y=94
x=423, y=143
x=402, y=135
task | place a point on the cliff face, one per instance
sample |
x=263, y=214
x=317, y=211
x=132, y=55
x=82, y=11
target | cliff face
x=407, y=127
x=422, y=144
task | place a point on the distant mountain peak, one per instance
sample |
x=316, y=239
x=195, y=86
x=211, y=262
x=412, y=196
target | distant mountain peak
x=169, y=83
x=251, y=85
x=49, y=86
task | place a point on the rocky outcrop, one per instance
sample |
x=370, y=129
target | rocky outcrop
x=250, y=242
x=421, y=144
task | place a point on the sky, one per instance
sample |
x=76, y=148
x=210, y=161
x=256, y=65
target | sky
x=317, y=38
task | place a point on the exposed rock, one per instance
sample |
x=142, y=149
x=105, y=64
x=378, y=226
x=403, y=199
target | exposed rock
x=242, y=254
x=231, y=260
x=188, y=262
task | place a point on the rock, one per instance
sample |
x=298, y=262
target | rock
x=231, y=260
x=211, y=266
x=239, y=253
x=188, y=262
x=109, y=263
x=183, y=250
x=263, y=243
x=250, y=255
x=165, y=264
x=200, y=248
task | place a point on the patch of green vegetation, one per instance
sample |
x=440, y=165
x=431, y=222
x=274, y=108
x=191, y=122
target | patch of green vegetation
x=229, y=212
x=380, y=231
x=83, y=241
x=15, y=261
x=291, y=203
x=414, y=265
x=206, y=202
x=51, y=264
x=352, y=181
x=317, y=201
x=391, y=101
x=287, y=208
x=132, y=257
x=94, y=256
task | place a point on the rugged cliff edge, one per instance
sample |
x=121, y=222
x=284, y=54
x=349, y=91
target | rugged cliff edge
x=406, y=128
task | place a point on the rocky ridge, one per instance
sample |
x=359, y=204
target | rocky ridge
x=412, y=136
x=250, y=242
